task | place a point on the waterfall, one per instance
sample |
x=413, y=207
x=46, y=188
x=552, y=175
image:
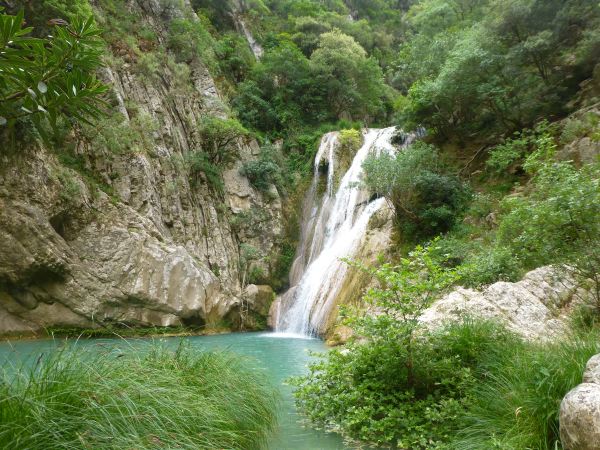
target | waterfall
x=333, y=226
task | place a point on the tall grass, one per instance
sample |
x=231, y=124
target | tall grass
x=182, y=399
x=515, y=405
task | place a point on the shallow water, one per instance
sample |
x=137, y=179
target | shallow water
x=280, y=356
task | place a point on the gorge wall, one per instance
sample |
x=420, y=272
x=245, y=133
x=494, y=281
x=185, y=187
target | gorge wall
x=93, y=235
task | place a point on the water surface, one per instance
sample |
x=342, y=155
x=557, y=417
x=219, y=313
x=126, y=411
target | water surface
x=281, y=357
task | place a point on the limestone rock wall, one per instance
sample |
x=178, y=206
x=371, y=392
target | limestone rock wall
x=128, y=236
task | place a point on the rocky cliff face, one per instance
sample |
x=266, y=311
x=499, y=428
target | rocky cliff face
x=128, y=236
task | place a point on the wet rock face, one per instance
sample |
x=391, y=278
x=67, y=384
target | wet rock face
x=141, y=242
x=580, y=411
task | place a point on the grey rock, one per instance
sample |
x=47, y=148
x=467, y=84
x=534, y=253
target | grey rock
x=148, y=246
x=580, y=418
x=533, y=307
x=592, y=370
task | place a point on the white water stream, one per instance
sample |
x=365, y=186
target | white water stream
x=332, y=228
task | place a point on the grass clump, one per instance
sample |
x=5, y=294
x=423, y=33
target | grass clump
x=516, y=405
x=156, y=398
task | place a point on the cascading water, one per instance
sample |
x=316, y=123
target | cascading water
x=332, y=228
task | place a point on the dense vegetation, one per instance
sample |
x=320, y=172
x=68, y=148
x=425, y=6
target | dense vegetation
x=472, y=384
x=161, y=398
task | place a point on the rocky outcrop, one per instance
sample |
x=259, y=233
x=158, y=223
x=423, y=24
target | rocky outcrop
x=533, y=307
x=111, y=235
x=580, y=411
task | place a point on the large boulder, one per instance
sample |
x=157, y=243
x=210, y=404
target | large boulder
x=534, y=307
x=580, y=411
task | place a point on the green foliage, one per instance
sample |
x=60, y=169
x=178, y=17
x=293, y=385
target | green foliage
x=266, y=170
x=350, y=140
x=362, y=390
x=517, y=405
x=69, y=8
x=402, y=293
x=474, y=69
x=353, y=82
x=218, y=138
x=201, y=166
x=121, y=136
x=559, y=222
x=124, y=399
x=426, y=200
x=234, y=56
x=579, y=127
x=489, y=265
x=44, y=79
x=190, y=39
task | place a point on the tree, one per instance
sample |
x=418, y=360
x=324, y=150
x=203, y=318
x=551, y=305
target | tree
x=559, y=222
x=402, y=293
x=353, y=82
x=45, y=79
x=426, y=200
x=218, y=137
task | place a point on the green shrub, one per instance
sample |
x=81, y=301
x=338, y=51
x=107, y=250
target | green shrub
x=266, y=170
x=350, y=140
x=35, y=84
x=362, y=390
x=200, y=165
x=145, y=399
x=389, y=390
x=218, y=137
x=559, y=222
x=149, y=65
x=489, y=265
x=578, y=127
x=189, y=39
x=121, y=136
x=426, y=199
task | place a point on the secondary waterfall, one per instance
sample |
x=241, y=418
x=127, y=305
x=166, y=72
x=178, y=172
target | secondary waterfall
x=333, y=225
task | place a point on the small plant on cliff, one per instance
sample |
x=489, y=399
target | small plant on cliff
x=218, y=137
x=266, y=170
x=350, y=140
x=201, y=166
x=46, y=79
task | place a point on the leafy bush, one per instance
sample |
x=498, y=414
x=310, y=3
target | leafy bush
x=200, y=164
x=426, y=200
x=266, y=170
x=350, y=140
x=189, y=39
x=218, y=137
x=156, y=398
x=121, y=136
x=489, y=265
x=388, y=390
x=362, y=391
x=559, y=221
x=578, y=127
